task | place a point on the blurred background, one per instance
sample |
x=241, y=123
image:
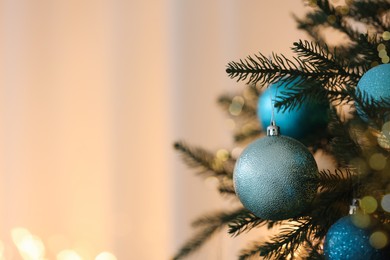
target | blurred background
x=93, y=95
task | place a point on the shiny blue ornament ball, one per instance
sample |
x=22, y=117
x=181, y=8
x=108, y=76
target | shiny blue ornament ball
x=297, y=122
x=275, y=177
x=345, y=240
x=375, y=83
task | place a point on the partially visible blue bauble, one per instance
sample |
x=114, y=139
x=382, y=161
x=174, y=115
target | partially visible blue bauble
x=296, y=123
x=275, y=177
x=375, y=83
x=346, y=241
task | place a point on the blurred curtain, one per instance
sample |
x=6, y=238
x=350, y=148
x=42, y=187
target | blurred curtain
x=93, y=94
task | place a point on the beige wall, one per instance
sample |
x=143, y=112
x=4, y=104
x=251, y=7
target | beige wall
x=93, y=94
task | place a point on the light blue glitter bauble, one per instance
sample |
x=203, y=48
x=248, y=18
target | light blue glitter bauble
x=297, y=122
x=275, y=177
x=346, y=241
x=375, y=83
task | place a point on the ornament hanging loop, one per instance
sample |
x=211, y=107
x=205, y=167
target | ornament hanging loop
x=353, y=208
x=273, y=129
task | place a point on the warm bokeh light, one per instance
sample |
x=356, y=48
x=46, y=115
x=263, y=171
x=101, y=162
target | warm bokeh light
x=368, y=204
x=235, y=107
x=105, y=256
x=385, y=203
x=377, y=161
x=223, y=154
x=30, y=247
x=68, y=255
x=361, y=220
x=378, y=239
x=386, y=35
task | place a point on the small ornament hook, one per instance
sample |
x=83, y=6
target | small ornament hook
x=353, y=208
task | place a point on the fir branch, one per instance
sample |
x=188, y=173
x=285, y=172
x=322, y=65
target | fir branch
x=308, y=66
x=283, y=244
x=325, y=15
x=208, y=225
x=203, y=160
x=370, y=12
x=342, y=145
x=226, y=189
x=373, y=110
x=246, y=222
x=332, y=181
x=339, y=21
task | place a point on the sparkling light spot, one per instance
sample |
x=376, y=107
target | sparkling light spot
x=380, y=47
x=386, y=35
x=29, y=246
x=368, y=204
x=223, y=154
x=385, y=59
x=68, y=255
x=105, y=256
x=385, y=203
x=361, y=220
x=378, y=239
x=377, y=161
x=235, y=107
x=382, y=53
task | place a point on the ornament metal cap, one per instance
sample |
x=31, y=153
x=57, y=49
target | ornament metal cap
x=353, y=208
x=273, y=129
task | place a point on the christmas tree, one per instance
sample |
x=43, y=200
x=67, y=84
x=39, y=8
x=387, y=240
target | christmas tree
x=333, y=99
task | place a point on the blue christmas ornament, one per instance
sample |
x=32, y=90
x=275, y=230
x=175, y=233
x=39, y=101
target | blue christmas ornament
x=345, y=240
x=275, y=177
x=296, y=123
x=375, y=83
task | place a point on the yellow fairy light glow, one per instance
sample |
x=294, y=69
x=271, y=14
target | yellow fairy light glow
x=30, y=247
x=235, y=107
x=385, y=203
x=377, y=161
x=105, y=256
x=368, y=204
x=382, y=53
x=361, y=220
x=385, y=59
x=378, y=239
x=381, y=47
x=386, y=35
x=223, y=154
x=68, y=255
